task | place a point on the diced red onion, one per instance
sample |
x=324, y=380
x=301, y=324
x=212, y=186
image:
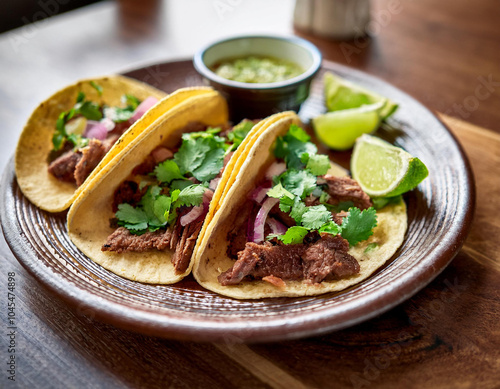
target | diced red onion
x=108, y=123
x=161, y=154
x=260, y=219
x=258, y=194
x=275, y=169
x=277, y=227
x=192, y=215
x=143, y=107
x=95, y=130
x=213, y=184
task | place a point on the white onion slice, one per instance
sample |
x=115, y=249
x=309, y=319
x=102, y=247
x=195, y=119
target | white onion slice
x=192, y=215
x=95, y=130
x=277, y=227
x=275, y=169
x=108, y=123
x=143, y=107
x=260, y=220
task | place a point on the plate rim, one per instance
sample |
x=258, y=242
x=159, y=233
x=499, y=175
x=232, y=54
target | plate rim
x=277, y=329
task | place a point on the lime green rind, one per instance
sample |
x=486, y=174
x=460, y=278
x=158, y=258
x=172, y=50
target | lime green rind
x=341, y=94
x=417, y=172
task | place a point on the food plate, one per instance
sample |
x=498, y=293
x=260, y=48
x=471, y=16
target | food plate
x=439, y=217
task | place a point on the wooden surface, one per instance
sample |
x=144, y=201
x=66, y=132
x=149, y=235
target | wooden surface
x=446, y=336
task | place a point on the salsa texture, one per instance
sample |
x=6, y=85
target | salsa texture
x=255, y=69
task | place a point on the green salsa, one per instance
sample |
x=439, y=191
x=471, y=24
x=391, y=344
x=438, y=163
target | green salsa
x=254, y=69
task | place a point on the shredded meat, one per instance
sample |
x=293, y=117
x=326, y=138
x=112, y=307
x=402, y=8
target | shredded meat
x=315, y=261
x=91, y=156
x=63, y=167
x=343, y=189
x=128, y=192
x=122, y=240
x=185, y=246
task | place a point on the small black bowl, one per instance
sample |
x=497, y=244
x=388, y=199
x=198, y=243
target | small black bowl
x=259, y=100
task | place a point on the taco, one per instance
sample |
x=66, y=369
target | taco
x=70, y=133
x=292, y=223
x=141, y=215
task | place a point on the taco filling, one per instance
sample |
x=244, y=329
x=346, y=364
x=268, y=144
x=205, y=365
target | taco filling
x=299, y=222
x=163, y=203
x=86, y=132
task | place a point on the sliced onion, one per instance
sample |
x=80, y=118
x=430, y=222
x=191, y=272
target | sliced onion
x=143, y=107
x=275, y=169
x=108, y=123
x=277, y=227
x=258, y=194
x=192, y=215
x=95, y=130
x=260, y=219
x=213, y=184
x=161, y=154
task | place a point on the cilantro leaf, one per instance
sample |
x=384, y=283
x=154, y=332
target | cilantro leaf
x=90, y=110
x=167, y=171
x=147, y=203
x=180, y=184
x=191, y=154
x=127, y=214
x=131, y=101
x=314, y=217
x=119, y=115
x=298, y=210
x=278, y=191
x=97, y=87
x=211, y=166
x=298, y=133
x=192, y=195
x=318, y=164
x=358, y=226
x=286, y=204
x=294, y=235
x=331, y=228
x=299, y=182
x=239, y=132
x=161, y=208
x=80, y=97
x=342, y=206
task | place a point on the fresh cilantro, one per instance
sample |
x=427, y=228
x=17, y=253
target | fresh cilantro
x=314, y=217
x=128, y=214
x=371, y=247
x=286, y=203
x=294, y=235
x=239, y=132
x=278, y=191
x=358, y=226
x=299, y=182
x=342, y=206
x=97, y=87
x=211, y=166
x=180, y=184
x=161, y=208
x=192, y=195
x=131, y=101
x=80, y=97
x=293, y=146
x=89, y=110
x=330, y=228
x=318, y=164
x=298, y=210
x=167, y=171
x=203, y=157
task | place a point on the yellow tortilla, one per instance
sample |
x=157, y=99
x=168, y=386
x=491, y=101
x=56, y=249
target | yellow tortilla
x=88, y=218
x=210, y=257
x=35, y=142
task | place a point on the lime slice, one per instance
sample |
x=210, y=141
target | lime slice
x=341, y=94
x=383, y=170
x=340, y=129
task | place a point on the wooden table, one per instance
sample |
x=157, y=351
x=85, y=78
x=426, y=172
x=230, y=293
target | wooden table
x=446, y=336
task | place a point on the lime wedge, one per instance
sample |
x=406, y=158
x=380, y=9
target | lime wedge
x=383, y=170
x=340, y=129
x=341, y=94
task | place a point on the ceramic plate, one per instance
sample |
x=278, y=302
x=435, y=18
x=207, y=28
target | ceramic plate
x=439, y=211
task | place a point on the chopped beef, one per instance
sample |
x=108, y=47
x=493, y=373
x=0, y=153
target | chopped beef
x=128, y=192
x=237, y=236
x=91, y=156
x=145, y=167
x=281, y=216
x=324, y=259
x=63, y=167
x=328, y=259
x=343, y=189
x=122, y=240
x=185, y=246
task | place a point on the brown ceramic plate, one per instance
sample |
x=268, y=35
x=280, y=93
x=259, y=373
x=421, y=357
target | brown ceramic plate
x=440, y=213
